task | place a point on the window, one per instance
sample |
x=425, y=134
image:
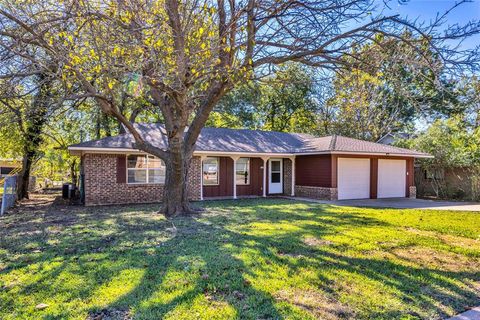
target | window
x=275, y=171
x=6, y=170
x=210, y=171
x=145, y=169
x=242, y=171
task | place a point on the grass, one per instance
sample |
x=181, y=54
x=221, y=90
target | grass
x=248, y=259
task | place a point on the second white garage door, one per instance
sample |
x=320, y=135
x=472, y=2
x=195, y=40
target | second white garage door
x=392, y=176
x=353, y=178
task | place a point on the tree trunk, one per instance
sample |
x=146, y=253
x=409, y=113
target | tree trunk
x=33, y=141
x=98, y=125
x=24, y=181
x=73, y=172
x=175, y=198
x=36, y=119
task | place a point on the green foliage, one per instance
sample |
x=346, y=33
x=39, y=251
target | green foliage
x=239, y=108
x=11, y=145
x=453, y=142
x=286, y=100
x=387, y=86
x=280, y=102
x=224, y=120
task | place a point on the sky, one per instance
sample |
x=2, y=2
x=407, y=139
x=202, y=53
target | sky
x=426, y=10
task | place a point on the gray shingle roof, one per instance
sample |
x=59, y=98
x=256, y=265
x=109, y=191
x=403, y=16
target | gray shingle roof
x=251, y=141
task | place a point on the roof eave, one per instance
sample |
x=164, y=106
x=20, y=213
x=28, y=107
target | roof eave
x=82, y=150
x=390, y=154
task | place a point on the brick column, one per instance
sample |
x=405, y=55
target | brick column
x=413, y=192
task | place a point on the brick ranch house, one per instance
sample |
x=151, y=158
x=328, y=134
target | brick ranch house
x=230, y=163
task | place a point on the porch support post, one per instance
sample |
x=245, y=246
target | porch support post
x=235, y=158
x=293, y=176
x=201, y=176
x=264, y=188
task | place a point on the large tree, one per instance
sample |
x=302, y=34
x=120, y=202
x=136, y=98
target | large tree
x=29, y=112
x=185, y=55
x=286, y=102
x=387, y=86
x=282, y=101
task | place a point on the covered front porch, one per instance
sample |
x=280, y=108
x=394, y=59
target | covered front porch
x=236, y=176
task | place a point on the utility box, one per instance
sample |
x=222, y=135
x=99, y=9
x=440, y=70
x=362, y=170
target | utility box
x=68, y=191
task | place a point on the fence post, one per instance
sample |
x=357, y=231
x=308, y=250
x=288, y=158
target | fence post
x=9, y=193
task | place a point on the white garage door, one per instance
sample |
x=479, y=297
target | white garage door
x=353, y=178
x=392, y=176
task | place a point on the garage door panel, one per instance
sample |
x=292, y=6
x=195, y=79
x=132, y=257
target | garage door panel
x=353, y=178
x=392, y=175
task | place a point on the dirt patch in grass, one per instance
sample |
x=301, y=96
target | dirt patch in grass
x=110, y=314
x=316, y=303
x=427, y=257
x=449, y=239
x=315, y=242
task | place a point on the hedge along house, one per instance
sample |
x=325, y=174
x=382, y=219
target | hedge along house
x=230, y=163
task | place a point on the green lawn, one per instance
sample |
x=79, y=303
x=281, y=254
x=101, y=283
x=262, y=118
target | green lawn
x=248, y=259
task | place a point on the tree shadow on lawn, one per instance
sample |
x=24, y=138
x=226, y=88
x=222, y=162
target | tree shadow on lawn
x=232, y=280
x=217, y=264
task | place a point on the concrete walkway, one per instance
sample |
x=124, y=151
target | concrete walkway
x=472, y=314
x=403, y=203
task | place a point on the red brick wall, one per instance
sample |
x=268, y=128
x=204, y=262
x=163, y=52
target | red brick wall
x=101, y=186
x=320, y=193
x=194, y=176
x=287, y=176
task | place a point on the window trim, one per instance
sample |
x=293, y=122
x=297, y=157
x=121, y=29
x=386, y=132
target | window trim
x=249, y=170
x=146, y=169
x=218, y=173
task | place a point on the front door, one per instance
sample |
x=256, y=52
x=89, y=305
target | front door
x=276, y=176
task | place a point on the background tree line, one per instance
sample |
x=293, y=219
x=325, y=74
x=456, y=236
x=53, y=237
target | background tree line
x=391, y=92
x=390, y=95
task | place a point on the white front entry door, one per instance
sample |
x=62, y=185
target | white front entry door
x=353, y=178
x=275, y=181
x=392, y=178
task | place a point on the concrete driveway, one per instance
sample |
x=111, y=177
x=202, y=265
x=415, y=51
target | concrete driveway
x=405, y=203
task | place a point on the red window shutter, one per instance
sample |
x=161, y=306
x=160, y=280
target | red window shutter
x=121, y=169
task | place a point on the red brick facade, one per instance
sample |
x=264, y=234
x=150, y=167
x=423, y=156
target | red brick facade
x=102, y=188
x=105, y=175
